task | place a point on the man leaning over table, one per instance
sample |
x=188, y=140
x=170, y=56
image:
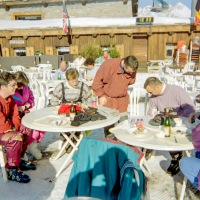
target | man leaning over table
x=173, y=96
x=112, y=80
x=111, y=84
x=9, y=125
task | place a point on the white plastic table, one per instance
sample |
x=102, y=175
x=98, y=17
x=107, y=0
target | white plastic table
x=177, y=142
x=47, y=119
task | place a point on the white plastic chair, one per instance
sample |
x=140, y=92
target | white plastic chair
x=16, y=68
x=72, y=65
x=45, y=71
x=35, y=88
x=3, y=164
x=173, y=77
x=42, y=99
x=45, y=94
x=189, y=66
x=32, y=76
x=135, y=96
x=155, y=67
x=189, y=83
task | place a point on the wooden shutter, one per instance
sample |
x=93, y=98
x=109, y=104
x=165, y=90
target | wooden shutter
x=49, y=51
x=74, y=49
x=29, y=51
x=5, y=52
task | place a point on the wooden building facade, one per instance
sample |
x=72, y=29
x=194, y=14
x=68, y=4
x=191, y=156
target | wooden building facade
x=145, y=42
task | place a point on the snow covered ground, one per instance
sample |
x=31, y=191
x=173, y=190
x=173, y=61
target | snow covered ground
x=160, y=184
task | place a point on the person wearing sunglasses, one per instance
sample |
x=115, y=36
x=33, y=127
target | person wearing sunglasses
x=10, y=122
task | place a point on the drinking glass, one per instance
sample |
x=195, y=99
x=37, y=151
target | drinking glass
x=154, y=112
x=131, y=121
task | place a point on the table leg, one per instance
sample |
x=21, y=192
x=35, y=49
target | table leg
x=143, y=167
x=145, y=162
x=183, y=188
x=188, y=154
x=60, y=142
x=75, y=147
x=65, y=144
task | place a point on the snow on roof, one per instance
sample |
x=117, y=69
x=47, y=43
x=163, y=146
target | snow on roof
x=86, y=22
x=178, y=14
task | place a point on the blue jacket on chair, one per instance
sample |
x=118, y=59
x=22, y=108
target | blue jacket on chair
x=107, y=171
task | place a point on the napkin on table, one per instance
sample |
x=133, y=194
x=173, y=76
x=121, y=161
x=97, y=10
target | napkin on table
x=65, y=108
x=108, y=111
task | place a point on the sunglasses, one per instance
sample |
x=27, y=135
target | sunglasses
x=12, y=85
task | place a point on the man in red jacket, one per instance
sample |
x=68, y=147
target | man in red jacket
x=9, y=125
x=112, y=80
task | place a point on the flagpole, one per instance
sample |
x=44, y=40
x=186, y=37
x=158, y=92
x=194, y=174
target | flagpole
x=193, y=10
x=66, y=23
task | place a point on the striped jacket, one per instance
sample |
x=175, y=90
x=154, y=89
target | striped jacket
x=71, y=93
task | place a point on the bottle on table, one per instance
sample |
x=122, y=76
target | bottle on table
x=59, y=76
x=72, y=111
x=94, y=100
x=166, y=124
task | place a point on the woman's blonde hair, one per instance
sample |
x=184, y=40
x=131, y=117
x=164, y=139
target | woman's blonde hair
x=21, y=78
x=71, y=74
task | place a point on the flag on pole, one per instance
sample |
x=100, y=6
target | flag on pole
x=197, y=15
x=66, y=22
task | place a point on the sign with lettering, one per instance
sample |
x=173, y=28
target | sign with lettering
x=144, y=20
x=16, y=41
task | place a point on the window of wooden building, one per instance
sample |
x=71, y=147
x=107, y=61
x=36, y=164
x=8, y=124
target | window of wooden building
x=20, y=51
x=170, y=53
x=28, y=16
x=63, y=50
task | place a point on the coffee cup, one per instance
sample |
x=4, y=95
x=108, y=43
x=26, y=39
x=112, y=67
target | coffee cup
x=178, y=121
x=160, y=134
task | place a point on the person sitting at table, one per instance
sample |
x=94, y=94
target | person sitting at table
x=25, y=101
x=79, y=61
x=60, y=73
x=91, y=69
x=10, y=121
x=190, y=166
x=71, y=90
x=171, y=96
x=103, y=58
